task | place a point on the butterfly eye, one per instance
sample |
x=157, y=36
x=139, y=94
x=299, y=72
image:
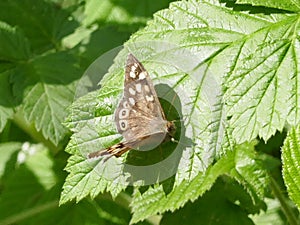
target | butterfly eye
x=123, y=113
x=125, y=104
x=123, y=124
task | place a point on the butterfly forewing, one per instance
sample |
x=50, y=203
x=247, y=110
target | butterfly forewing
x=139, y=113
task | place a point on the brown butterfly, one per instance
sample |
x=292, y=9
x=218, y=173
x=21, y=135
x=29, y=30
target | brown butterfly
x=139, y=116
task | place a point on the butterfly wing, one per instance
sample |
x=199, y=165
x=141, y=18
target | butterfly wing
x=117, y=149
x=139, y=116
x=139, y=113
x=147, y=91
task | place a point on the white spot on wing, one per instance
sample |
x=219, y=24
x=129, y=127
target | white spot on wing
x=133, y=68
x=138, y=87
x=147, y=89
x=149, y=98
x=132, y=74
x=142, y=75
x=131, y=91
x=132, y=101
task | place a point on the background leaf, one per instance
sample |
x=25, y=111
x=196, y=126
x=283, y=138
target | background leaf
x=45, y=90
x=290, y=160
x=286, y=5
x=34, y=170
x=44, y=25
x=6, y=111
x=14, y=45
x=131, y=12
x=215, y=207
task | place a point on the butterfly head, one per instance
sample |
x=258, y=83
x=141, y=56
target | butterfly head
x=171, y=128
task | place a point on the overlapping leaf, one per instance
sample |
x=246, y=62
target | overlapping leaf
x=34, y=169
x=42, y=86
x=14, y=45
x=46, y=86
x=291, y=164
x=14, y=48
x=120, y=12
x=44, y=25
x=290, y=5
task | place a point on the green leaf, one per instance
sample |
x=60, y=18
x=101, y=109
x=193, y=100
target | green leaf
x=241, y=164
x=261, y=86
x=121, y=12
x=250, y=172
x=46, y=88
x=189, y=61
x=290, y=5
x=6, y=103
x=14, y=48
x=154, y=200
x=214, y=207
x=257, y=54
x=291, y=163
x=7, y=150
x=92, y=118
x=14, y=45
x=31, y=178
x=100, y=211
x=272, y=216
x=44, y=25
x=85, y=176
x=32, y=170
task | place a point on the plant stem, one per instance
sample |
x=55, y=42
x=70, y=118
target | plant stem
x=291, y=217
x=123, y=199
x=21, y=216
x=20, y=121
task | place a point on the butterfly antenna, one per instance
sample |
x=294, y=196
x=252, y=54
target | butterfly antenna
x=171, y=104
x=184, y=144
x=181, y=120
x=170, y=108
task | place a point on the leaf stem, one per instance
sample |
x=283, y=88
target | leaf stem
x=124, y=200
x=14, y=219
x=291, y=217
x=21, y=122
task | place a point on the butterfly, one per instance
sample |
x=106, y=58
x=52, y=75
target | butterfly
x=139, y=117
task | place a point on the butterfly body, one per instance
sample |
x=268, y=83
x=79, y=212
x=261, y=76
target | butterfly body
x=139, y=116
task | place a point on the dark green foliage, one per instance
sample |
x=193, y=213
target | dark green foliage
x=226, y=72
